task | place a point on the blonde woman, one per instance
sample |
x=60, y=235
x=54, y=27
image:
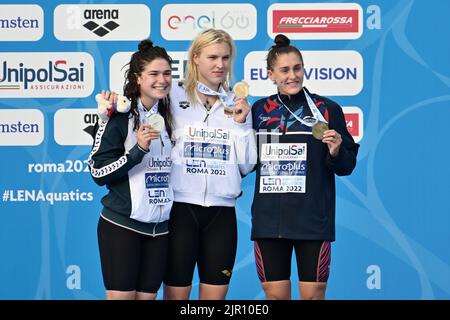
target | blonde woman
x=214, y=148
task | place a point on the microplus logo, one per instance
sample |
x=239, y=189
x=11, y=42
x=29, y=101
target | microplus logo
x=117, y=67
x=329, y=73
x=21, y=22
x=315, y=20
x=21, y=127
x=46, y=74
x=101, y=22
x=184, y=22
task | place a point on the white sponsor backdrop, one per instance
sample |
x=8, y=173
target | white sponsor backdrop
x=378, y=59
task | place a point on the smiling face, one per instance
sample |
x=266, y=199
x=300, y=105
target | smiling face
x=213, y=64
x=154, y=81
x=287, y=73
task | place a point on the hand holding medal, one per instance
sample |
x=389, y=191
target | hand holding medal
x=150, y=129
x=318, y=129
x=333, y=139
x=241, y=89
x=242, y=108
x=156, y=121
x=153, y=118
x=151, y=125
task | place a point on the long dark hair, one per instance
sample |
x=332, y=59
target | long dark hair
x=282, y=46
x=146, y=53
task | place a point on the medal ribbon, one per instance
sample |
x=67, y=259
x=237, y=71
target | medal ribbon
x=316, y=113
x=223, y=96
x=147, y=113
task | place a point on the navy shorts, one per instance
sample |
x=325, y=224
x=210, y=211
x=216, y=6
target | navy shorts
x=273, y=259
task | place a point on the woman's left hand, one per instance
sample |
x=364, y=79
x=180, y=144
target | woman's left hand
x=334, y=140
x=241, y=110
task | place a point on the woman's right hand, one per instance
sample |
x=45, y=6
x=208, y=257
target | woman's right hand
x=110, y=96
x=145, y=135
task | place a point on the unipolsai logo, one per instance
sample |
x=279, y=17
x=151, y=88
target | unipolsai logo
x=46, y=74
x=184, y=22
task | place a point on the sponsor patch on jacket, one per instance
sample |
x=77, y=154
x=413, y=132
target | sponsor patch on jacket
x=283, y=168
x=184, y=104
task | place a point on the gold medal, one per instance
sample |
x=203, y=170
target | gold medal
x=156, y=121
x=318, y=129
x=241, y=89
x=229, y=112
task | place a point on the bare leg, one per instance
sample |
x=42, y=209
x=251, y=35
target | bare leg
x=145, y=296
x=212, y=292
x=277, y=290
x=177, y=293
x=312, y=290
x=120, y=295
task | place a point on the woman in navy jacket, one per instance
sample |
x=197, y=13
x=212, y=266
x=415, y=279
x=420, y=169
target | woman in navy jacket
x=303, y=143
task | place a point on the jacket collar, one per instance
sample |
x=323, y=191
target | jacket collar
x=296, y=100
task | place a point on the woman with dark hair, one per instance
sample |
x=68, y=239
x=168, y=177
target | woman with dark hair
x=303, y=142
x=131, y=156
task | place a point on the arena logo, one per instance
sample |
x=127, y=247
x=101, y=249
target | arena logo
x=118, y=67
x=328, y=73
x=315, y=20
x=74, y=127
x=355, y=122
x=46, y=74
x=101, y=22
x=184, y=22
x=21, y=22
x=97, y=14
x=21, y=127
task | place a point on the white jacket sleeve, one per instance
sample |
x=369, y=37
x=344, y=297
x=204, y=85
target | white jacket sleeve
x=245, y=145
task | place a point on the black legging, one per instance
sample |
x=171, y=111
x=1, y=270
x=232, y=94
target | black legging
x=130, y=260
x=203, y=235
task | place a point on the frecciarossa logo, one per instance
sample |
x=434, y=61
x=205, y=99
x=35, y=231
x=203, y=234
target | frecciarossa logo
x=315, y=20
x=46, y=74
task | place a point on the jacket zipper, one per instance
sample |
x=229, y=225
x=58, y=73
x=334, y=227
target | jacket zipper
x=281, y=211
x=206, y=177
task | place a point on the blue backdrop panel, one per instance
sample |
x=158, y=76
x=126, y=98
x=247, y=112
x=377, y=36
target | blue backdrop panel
x=392, y=213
